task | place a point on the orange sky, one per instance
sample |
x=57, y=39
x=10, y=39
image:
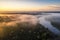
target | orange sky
x=26, y=6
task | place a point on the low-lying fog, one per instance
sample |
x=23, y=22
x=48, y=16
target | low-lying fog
x=45, y=19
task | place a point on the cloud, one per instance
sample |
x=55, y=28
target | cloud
x=50, y=8
x=55, y=7
x=26, y=6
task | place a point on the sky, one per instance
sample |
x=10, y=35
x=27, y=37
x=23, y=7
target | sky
x=29, y=5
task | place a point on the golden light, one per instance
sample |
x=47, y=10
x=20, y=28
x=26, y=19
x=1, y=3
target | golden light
x=23, y=6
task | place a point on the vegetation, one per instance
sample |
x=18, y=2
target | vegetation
x=57, y=25
x=26, y=31
x=5, y=19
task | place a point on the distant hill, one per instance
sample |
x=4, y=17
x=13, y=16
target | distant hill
x=29, y=12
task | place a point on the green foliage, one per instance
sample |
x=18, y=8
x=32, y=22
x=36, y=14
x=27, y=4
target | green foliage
x=23, y=32
x=57, y=25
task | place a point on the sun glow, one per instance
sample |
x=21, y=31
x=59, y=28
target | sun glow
x=25, y=6
x=17, y=6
